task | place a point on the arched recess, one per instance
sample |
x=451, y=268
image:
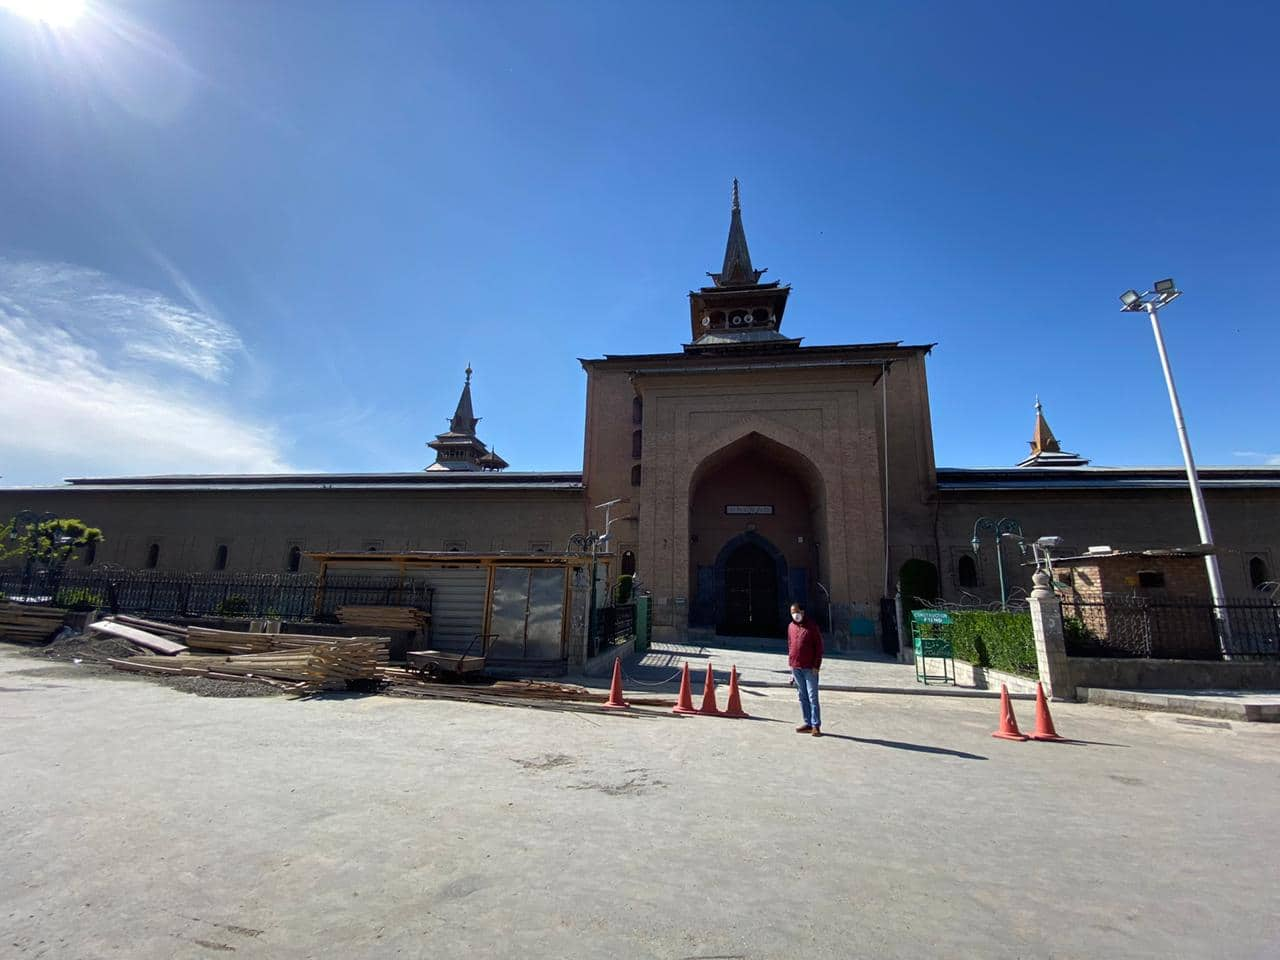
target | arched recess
x=1258, y=573
x=755, y=491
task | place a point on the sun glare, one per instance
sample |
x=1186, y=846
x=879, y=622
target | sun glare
x=55, y=13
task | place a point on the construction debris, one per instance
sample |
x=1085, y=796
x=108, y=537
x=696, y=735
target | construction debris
x=214, y=662
x=90, y=648
x=141, y=637
x=327, y=665
x=171, y=631
x=26, y=623
x=545, y=694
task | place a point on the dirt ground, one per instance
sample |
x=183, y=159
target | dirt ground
x=136, y=822
x=92, y=652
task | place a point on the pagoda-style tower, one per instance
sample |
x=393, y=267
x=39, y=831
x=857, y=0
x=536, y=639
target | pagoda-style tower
x=738, y=309
x=1045, y=449
x=458, y=448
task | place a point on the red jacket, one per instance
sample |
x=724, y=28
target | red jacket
x=804, y=644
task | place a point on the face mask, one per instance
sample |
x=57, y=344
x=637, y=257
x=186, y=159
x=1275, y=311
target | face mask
x=797, y=617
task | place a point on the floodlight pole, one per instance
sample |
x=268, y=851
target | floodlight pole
x=1193, y=478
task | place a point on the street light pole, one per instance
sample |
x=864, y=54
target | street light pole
x=1151, y=302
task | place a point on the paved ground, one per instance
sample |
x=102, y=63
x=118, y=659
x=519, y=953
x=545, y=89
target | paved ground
x=760, y=662
x=142, y=822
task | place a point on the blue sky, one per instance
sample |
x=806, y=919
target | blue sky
x=270, y=235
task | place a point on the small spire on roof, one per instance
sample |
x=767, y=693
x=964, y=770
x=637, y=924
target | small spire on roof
x=1043, y=440
x=736, y=204
x=1045, y=449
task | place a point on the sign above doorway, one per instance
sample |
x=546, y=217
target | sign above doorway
x=745, y=509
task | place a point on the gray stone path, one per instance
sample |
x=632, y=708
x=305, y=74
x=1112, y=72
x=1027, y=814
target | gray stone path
x=762, y=666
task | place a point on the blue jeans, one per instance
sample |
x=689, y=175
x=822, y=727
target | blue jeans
x=807, y=688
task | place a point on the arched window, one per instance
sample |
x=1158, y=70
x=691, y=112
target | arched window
x=967, y=572
x=637, y=441
x=1258, y=573
x=220, y=557
x=635, y=475
x=637, y=410
x=628, y=563
x=90, y=553
x=295, y=558
x=153, y=556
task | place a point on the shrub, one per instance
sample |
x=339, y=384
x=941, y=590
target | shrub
x=233, y=606
x=1075, y=632
x=1001, y=641
x=79, y=599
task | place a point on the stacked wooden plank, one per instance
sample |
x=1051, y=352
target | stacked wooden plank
x=386, y=618
x=170, y=631
x=294, y=661
x=143, y=638
x=27, y=623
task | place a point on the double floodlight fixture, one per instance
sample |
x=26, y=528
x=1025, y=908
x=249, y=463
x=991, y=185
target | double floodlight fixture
x=1164, y=291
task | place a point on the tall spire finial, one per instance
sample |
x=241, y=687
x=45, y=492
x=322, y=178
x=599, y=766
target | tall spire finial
x=1039, y=409
x=468, y=373
x=737, y=269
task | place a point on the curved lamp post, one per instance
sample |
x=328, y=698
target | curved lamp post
x=1004, y=527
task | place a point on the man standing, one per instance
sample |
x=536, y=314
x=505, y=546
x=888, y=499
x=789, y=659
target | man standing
x=804, y=655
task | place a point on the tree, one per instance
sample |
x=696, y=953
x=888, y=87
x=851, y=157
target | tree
x=49, y=541
x=8, y=541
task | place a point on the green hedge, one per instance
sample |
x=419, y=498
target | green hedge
x=1001, y=641
x=79, y=599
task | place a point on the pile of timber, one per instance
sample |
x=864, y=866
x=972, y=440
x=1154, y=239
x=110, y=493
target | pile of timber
x=171, y=631
x=291, y=661
x=115, y=627
x=388, y=618
x=29, y=624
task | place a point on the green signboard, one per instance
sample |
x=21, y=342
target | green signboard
x=930, y=616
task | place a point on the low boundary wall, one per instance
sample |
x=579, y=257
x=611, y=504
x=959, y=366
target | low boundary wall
x=1125, y=674
x=984, y=678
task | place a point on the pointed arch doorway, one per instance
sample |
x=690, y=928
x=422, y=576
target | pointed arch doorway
x=756, y=517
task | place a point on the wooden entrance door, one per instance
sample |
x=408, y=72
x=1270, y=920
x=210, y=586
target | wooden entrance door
x=750, y=594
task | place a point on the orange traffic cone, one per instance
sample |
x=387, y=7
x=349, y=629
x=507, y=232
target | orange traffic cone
x=734, y=707
x=615, y=700
x=685, y=703
x=1008, y=723
x=1044, y=722
x=709, y=708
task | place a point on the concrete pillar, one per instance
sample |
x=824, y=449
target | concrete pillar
x=1051, y=647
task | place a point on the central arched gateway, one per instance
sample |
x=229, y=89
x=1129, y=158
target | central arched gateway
x=755, y=519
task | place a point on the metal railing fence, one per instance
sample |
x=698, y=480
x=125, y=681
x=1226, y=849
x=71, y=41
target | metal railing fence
x=1171, y=628
x=296, y=596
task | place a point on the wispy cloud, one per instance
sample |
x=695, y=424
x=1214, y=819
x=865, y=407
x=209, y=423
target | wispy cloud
x=1269, y=459
x=107, y=378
